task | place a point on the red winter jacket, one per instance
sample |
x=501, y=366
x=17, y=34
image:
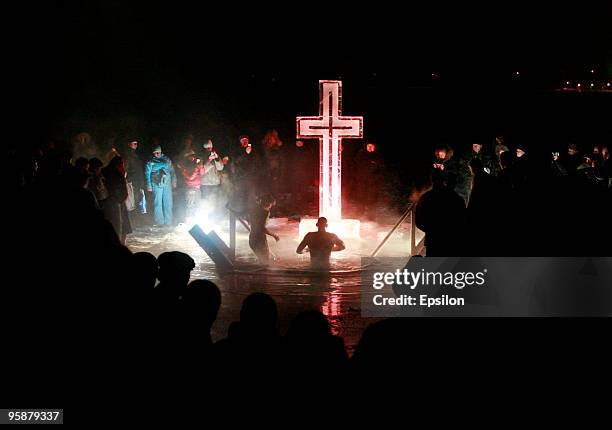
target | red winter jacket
x=192, y=176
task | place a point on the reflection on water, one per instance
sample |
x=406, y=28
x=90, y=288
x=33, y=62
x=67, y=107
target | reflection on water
x=289, y=281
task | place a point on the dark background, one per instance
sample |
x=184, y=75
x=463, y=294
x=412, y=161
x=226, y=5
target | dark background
x=123, y=70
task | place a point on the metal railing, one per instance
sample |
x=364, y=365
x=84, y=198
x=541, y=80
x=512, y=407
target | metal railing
x=416, y=247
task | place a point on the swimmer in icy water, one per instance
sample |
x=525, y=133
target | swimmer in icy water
x=258, y=218
x=320, y=245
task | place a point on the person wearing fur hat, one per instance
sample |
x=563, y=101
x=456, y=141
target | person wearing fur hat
x=161, y=180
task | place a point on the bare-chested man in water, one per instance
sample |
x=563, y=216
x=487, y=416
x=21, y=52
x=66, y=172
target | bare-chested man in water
x=320, y=245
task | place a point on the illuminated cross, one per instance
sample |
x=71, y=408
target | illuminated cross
x=330, y=127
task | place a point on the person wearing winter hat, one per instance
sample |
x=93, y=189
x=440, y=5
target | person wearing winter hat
x=161, y=180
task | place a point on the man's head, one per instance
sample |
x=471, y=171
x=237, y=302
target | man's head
x=202, y=300
x=572, y=149
x=95, y=165
x=175, y=268
x=371, y=147
x=258, y=313
x=440, y=153
x=244, y=141
x=299, y=144
x=133, y=145
x=499, y=140
x=322, y=223
x=476, y=147
x=208, y=145
x=157, y=151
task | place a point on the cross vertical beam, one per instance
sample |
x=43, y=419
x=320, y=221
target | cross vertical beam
x=330, y=127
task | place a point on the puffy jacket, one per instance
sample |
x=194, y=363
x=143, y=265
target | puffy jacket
x=192, y=175
x=211, y=171
x=160, y=172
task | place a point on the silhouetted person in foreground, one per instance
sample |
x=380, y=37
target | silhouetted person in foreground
x=320, y=245
x=202, y=301
x=310, y=345
x=144, y=271
x=254, y=343
x=174, y=272
x=440, y=213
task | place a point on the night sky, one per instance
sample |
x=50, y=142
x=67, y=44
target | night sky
x=162, y=69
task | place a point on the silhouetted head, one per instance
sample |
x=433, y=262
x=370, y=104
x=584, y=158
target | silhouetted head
x=322, y=223
x=204, y=299
x=175, y=268
x=145, y=270
x=309, y=325
x=81, y=164
x=95, y=165
x=116, y=164
x=258, y=312
x=133, y=145
x=477, y=147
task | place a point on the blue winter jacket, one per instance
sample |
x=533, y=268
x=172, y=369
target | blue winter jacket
x=160, y=172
